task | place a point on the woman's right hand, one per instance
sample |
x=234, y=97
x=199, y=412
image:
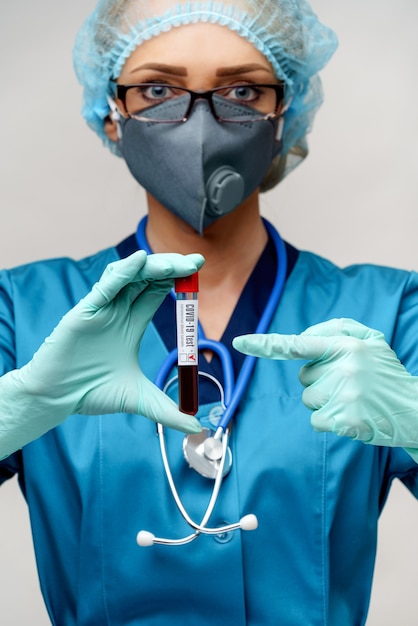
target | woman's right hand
x=89, y=364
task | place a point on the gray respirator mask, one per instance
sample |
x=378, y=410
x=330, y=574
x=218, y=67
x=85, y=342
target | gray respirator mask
x=200, y=169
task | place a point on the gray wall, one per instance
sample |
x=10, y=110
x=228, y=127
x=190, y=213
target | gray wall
x=354, y=200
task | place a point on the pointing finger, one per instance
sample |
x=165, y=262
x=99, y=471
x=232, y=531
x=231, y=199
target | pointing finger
x=283, y=347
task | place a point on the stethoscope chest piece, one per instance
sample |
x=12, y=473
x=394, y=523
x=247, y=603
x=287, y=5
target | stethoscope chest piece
x=204, y=454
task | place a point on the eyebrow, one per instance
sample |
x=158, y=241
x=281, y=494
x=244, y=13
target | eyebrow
x=240, y=69
x=162, y=67
x=177, y=70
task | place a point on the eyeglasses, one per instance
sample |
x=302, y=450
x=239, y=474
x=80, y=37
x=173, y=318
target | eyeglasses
x=232, y=103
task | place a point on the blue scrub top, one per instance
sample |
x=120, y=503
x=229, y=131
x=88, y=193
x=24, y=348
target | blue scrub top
x=94, y=481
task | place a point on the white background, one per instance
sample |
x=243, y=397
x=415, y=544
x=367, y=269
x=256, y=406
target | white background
x=354, y=200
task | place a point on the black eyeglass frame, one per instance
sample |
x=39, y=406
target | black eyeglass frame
x=121, y=91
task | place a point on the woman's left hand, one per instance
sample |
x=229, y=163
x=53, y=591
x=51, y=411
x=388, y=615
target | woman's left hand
x=354, y=383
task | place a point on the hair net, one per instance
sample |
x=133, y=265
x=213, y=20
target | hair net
x=286, y=32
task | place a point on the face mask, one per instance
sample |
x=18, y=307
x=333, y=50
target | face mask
x=200, y=169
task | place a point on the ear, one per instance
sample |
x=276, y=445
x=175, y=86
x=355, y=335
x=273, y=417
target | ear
x=111, y=129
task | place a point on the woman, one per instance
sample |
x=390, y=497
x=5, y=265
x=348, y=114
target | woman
x=202, y=158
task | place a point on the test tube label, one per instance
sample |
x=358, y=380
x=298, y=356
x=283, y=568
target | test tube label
x=187, y=316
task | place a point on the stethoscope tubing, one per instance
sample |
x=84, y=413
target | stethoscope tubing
x=215, y=491
x=233, y=394
x=248, y=522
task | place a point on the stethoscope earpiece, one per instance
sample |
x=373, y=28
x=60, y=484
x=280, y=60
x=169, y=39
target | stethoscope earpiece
x=145, y=539
x=249, y=522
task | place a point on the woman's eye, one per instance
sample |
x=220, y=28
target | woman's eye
x=242, y=93
x=157, y=92
x=140, y=97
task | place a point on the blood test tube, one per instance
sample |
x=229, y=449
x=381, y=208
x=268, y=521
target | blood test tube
x=187, y=322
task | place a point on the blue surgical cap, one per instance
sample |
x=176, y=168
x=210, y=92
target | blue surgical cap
x=286, y=32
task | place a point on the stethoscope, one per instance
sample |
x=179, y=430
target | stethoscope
x=208, y=452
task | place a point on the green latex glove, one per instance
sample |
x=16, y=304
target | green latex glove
x=354, y=383
x=89, y=364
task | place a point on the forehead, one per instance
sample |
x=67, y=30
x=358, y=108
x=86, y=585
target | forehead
x=207, y=45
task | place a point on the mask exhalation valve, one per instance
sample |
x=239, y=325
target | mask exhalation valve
x=224, y=190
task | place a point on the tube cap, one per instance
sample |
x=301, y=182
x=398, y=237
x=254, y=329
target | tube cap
x=188, y=284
